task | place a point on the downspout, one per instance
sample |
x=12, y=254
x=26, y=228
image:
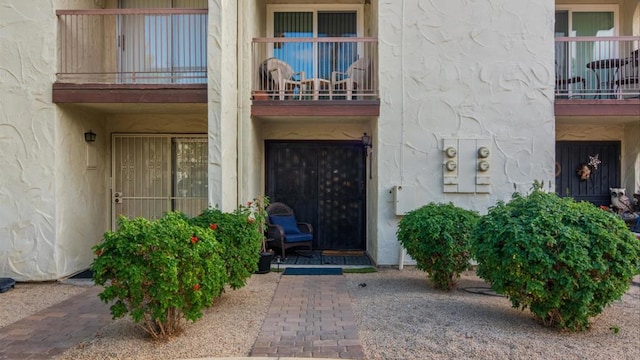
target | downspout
x=239, y=102
x=402, y=137
x=402, y=93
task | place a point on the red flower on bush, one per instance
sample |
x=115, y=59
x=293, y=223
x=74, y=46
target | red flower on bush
x=251, y=220
x=196, y=287
x=194, y=239
x=213, y=226
x=99, y=252
x=249, y=203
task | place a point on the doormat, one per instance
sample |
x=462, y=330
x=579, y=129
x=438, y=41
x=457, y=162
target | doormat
x=343, y=252
x=87, y=274
x=312, y=271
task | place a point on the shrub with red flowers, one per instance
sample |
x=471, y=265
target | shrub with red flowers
x=240, y=234
x=160, y=272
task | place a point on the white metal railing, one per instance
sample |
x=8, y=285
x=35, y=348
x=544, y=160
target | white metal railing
x=332, y=68
x=142, y=46
x=597, y=67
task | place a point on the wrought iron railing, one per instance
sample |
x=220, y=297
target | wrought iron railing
x=132, y=46
x=597, y=67
x=336, y=68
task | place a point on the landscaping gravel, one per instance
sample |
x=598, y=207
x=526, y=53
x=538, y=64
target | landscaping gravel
x=399, y=316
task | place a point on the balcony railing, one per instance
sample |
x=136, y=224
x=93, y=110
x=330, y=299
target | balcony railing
x=132, y=46
x=335, y=68
x=597, y=67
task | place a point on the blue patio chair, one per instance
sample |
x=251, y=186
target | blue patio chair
x=285, y=230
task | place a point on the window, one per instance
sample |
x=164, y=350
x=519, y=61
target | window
x=316, y=21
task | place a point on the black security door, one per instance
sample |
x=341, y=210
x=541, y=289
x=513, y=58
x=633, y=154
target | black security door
x=324, y=183
x=571, y=154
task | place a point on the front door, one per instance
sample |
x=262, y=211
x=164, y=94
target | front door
x=153, y=174
x=571, y=156
x=324, y=183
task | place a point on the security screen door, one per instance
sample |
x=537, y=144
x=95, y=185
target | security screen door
x=324, y=183
x=153, y=174
x=571, y=154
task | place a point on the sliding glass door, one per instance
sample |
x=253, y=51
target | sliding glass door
x=585, y=21
x=317, y=60
x=162, y=48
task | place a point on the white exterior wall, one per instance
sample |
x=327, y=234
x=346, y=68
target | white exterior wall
x=452, y=69
x=27, y=143
x=49, y=218
x=222, y=74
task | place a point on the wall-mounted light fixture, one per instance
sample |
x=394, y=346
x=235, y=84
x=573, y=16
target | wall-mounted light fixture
x=366, y=141
x=90, y=136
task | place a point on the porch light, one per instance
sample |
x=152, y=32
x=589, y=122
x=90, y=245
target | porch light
x=366, y=141
x=90, y=136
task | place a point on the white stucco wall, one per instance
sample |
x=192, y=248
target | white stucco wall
x=27, y=142
x=462, y=70
x=48, y=216
x=80, y=187
x=222, y=75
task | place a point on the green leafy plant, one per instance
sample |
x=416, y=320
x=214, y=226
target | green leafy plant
x=438, y=237
x=159, y=271
x=241, y=236
x=562, y=259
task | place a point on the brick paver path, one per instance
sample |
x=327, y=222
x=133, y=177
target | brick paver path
x=310, y=316
x=55, y=329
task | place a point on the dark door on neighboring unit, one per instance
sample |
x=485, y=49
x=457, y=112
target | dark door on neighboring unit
x=324, y=183
x=571, y=154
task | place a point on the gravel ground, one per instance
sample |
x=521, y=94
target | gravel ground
x=399, y=316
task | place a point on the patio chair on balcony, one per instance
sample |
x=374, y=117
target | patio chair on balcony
x=564, y=84
x=285, y=230
x=353, y=80
x=626, y=83
x=278, y=79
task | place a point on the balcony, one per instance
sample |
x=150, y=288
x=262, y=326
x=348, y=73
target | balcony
x=131, y=56
x=328, y=76
x=597, y=76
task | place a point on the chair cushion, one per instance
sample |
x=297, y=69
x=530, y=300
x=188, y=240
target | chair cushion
x=288, y=223
x=293, y=238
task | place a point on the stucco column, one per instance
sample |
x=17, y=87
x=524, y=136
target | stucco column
x=222, y=104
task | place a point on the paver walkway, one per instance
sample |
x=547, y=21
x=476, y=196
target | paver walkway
x=53, y=330
x=310, y=316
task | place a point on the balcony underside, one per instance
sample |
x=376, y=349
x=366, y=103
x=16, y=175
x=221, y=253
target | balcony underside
x=604, y=107
x=66, y=93
x=265, y=108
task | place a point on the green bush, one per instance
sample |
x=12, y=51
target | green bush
x=437, y=237
x=240, y=237
x=159, y=271
x=562, y=259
